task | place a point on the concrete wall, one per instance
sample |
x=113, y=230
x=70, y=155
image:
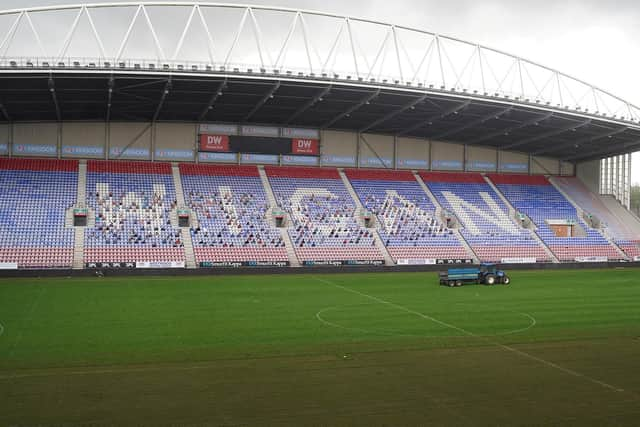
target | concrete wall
x=376, y=151
x=5, y=138
x=35, y=139
x=589, y=174
x=567, y=169
x=135, y=137
x=446, y=156
x=178, y=142
x=545, y=165
x=84, y=140
x=412, y=153
x=338, y=148
x=481, y=159
x=513, y=162
x=175, y=141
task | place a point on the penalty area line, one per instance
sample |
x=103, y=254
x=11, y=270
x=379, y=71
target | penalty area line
x=480, y=337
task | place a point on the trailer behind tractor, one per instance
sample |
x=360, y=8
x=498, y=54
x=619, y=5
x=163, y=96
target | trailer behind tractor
x=487, y=274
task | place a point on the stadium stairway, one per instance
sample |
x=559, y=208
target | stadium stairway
x=581, y=214
x=288, y=244
x=438, y=206
x=436, y=203
x=189, y=254
x=388, y=260
x=512, y=214
x=81, y=197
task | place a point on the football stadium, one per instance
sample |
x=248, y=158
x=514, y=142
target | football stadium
x=247, y=220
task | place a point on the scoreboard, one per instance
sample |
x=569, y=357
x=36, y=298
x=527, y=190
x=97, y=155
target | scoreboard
x=259, y=144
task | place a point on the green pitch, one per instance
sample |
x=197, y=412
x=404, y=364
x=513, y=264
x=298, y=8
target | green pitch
x=555, y=347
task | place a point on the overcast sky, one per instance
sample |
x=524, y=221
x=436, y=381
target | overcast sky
x=594, y=40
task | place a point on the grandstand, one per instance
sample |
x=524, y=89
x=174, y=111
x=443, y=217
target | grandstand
x=131, y=157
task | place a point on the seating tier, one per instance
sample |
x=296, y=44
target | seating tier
x=231, y=205
x=541, y=202
x=406, y=219
x=34, y=197
x=484, y=217
x=322, y=213
x=133, y=202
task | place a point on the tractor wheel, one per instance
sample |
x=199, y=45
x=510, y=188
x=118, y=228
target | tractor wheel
x=490, y=279
x=458, y=282
x=506, y=280
x=452, y=284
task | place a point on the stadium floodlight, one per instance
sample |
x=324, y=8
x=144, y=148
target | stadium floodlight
x=92, y=65
x=249, y=70
x=194, y=68
x=324, y=75
x=61, y=64
x=136, y=66
x=29, y=64
x=76, y=64
x=45, y=64
x=300, y=74
x=180, y=67
x=122, y=64
x=262, y=70
x=288, y=73
x=107, y=65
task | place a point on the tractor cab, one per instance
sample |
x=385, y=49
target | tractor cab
x=490, y=275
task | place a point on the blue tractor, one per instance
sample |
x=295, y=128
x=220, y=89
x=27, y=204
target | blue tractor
x=487, y=274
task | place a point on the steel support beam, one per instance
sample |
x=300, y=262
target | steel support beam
x=5, y=113
x=111, y=85
x=392, y=114
x=546, y=135
x=52, y=90
x=559, y=147
x=510, y=129
x=216, y=94
x=165, y=92
x=313, y=101
x=430, y=120
x=353, y=108
x=474, y=123
x=267, y=96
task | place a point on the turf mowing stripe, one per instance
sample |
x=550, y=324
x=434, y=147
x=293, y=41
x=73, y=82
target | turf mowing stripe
x=471, y=334
x=1, y=329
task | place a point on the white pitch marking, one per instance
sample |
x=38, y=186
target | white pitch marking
x=471, y=334
x=396, y=334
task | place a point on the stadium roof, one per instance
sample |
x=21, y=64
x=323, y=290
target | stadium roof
x=213, y=63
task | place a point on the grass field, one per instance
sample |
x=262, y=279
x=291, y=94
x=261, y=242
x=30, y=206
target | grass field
x=555, y=347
